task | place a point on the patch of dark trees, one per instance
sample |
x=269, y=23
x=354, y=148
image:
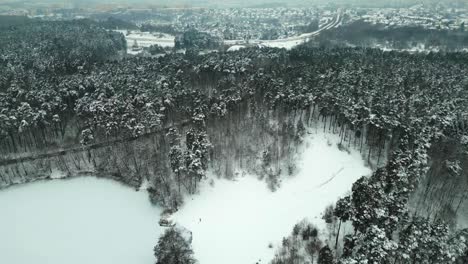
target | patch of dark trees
x=195, y=39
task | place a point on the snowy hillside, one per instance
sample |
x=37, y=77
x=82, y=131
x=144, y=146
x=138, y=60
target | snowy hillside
x=235, y=221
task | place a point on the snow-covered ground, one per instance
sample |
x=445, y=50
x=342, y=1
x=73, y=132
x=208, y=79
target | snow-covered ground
x=234, y=221
x=420, y=48
x=286, y=44
x=76, y=221
x=235, y=48
x=146, y=39
x=90, y=220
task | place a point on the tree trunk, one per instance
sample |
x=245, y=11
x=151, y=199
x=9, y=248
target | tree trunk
x=337, y=235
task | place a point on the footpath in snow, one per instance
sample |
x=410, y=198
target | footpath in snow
x=234, y=221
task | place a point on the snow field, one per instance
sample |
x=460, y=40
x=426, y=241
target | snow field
x=234, y=221
x=91, y=220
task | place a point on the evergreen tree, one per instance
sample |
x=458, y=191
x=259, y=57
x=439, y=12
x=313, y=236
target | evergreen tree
x=176, y=161
x=173, y=248
x=325, y=256
x=343, y=212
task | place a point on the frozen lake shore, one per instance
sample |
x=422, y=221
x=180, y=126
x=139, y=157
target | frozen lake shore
x=90, y=220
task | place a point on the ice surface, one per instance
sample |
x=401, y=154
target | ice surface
x=76, y=221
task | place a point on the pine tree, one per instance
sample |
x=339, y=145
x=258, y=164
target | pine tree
x=173, y=248
x=343, y=212
x=325, y=256
x=176, y=160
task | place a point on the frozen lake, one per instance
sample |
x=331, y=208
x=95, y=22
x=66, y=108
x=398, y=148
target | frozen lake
x=90, y=220
x=76, y=221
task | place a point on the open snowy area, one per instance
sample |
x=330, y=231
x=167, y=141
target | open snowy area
x=89, y=220
x=76, y=221
x=146, y=39
x=234, y=221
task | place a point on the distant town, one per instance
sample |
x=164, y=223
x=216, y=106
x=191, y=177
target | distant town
x=249, y=23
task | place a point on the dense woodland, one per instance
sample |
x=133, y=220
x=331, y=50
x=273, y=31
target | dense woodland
x=56, y=48
x=364, y=34
x=195, y=39
x=68, y=101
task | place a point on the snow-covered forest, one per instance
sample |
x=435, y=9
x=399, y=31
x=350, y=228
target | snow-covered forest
x=72, y=103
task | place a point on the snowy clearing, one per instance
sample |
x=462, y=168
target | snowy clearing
x=235, y=48
x=234, y=221
x=90, y=220
x=146, y=39
x=75, y=221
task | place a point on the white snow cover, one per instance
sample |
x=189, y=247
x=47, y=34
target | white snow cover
x=234, y=221
x=287, y=44
x=146, y=39
x=236, y=47
x=90, y=220
x=76, y=221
